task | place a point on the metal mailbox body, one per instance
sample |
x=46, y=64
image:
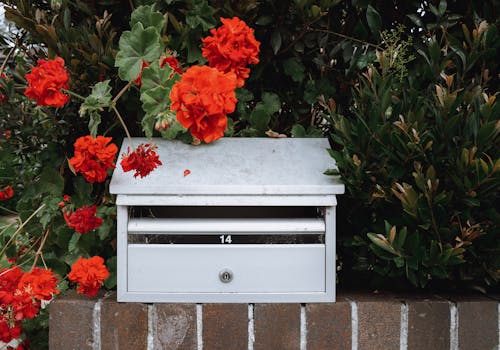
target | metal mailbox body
x=244, y=174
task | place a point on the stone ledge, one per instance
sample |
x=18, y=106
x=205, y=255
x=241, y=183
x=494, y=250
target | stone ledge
x=356, y=320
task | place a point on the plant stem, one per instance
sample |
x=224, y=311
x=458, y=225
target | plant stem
x=4, y=63
x=74, y=94
x=122, y=91
x=8, y=210
x=39, y=251
x=348, y=37
x=123, y=124
x=19, y=229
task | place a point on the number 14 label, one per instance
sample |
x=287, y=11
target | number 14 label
x=225, y=239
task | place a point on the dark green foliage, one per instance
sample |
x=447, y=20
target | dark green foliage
x=420, y=159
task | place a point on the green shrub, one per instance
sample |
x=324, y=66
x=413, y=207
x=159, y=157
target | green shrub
x=419, y=154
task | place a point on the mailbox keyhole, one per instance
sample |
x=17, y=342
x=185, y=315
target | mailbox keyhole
x=226, y=276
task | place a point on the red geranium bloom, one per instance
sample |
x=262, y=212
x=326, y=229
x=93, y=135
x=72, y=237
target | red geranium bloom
x=39, y=283
x=93, y=157
x=9, y=279
x=203, y=98
x=173, y=63
x=231, y=48
x=83, y=219
x=143, y=160
x=3, y=98
x=6, y=193
x=88, y=274
x=46, y=81
x=7, y=333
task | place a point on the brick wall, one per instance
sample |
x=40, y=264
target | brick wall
x=356, y=321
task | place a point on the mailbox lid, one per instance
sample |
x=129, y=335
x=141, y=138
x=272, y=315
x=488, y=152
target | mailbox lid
x=234, y=166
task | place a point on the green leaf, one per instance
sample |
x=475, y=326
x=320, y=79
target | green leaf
x=148, y=17
x=73, y=242
x=295, y=69
x=276, y=41
x=381, y=243
x=374, y=20
x=174, y=129
x=137, y=46
x=201, y=15
x=155, y=91
x=298, y=131
x=99, y=98
x=271, y=101
x=260, y=117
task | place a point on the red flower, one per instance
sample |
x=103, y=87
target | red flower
x=173, y=63
x=231, y=48
x=202, y=98
x=7, y=134
x=6, y=193
x=93, y=157
x=143, y=160
x=9, y=279
x=39, y=283
x=83, y=219
x=138, y=80
x=3, y=98
x=88, y=274
x=8, y=332
x=46, y=81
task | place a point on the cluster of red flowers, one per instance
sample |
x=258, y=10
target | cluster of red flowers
x=205, y=95
x=21, y=294
x=202, y=99
x=93, y=157
x=143, y=160
x=88, y=274
x=46, y=81
x=6, y=193
x=231, y=48
x=3, y=98
x=83, y=219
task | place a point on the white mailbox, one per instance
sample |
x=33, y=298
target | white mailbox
x=253, y=221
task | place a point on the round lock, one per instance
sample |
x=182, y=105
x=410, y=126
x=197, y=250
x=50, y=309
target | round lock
x=226, y=276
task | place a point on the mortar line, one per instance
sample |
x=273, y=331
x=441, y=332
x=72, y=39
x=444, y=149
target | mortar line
x=150, y=345
x=453, y=326
x=354, y=325
x=251, y=330
x=199, y=326
x=498, y=306
x=96, y=325
x=303, y=327
x=403, y=333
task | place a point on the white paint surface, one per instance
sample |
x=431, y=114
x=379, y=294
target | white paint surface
x=403, y=334
x=354, y=325
x=303, y=328
x=453, y=327
x=227, y=226
x=235, y=166
x=256, y=268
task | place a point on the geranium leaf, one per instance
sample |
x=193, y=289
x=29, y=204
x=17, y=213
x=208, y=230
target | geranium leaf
x=155, y=94
x=95, y=103
x=137, y=46
x=148, y=17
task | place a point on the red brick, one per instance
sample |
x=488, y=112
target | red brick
x=428, y=323
x=329, y=326
x=477, y=322
x=277, y=326
x=66, y=331
x=174, y=326
x=225, y=326
x=124, y=326
x=379, y=322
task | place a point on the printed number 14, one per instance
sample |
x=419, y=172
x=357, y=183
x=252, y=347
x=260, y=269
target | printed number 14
x=225, y=239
